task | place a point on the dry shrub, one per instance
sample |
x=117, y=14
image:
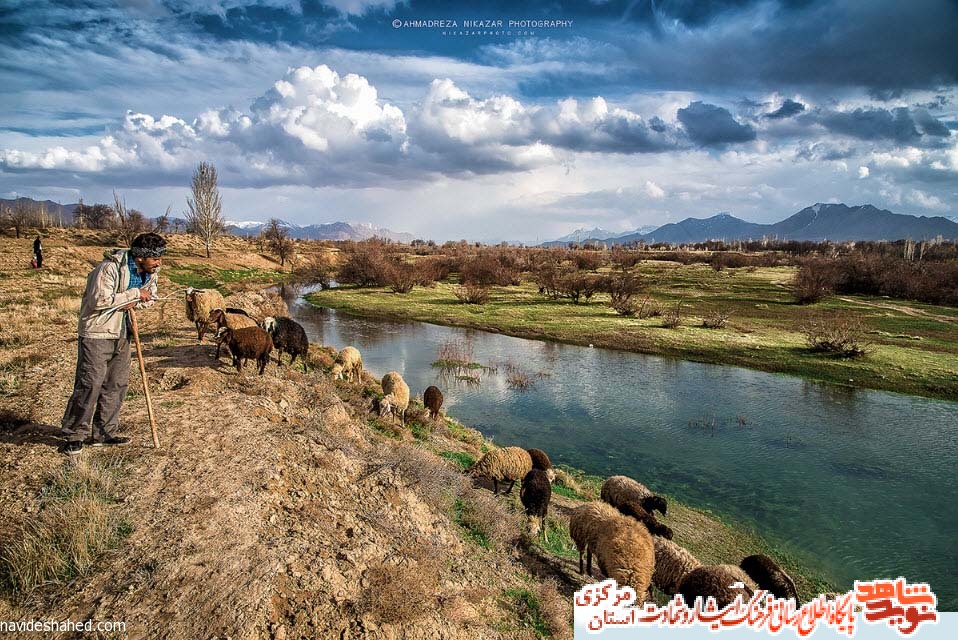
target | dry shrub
x=472, y=294
x=321, y=358
x=649, y=309
x=488, y=518
x=404, y=592
x=555, y=610
x=715, y=319
x=815, y=280
x=428, y=475
x=840, y=334
x=673, y=317
x=518, y=379
x=173, y=380
x=565, y=479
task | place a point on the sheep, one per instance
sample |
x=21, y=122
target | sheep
x=349, y=365
x=499, y=465
x=199, y=303
x=247, y=342
x=769, y=576
x=621, y=489
x=635, y=510
x=432, y=400
x=672, y=564
x=396, y=398
x=540, y=460
x=623, y=547
x=233, y=319
x=535, y=494
x=289, y=336
x=716, y=581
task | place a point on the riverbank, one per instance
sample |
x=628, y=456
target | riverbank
x=278, y=506
x=913, y=348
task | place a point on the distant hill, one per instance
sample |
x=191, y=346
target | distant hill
x=327, y=231
x=55, y=210
x=836, y=222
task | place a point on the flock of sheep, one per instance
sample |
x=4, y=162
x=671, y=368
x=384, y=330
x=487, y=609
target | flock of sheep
x=628, y=542
x=630, y=545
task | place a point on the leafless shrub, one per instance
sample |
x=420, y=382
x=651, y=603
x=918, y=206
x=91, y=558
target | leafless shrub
x=518, y=379
x=490, y=268
x=715, y=319
x=815, y=280
x=472, y=294
x=649, y=309
x=555, y=610
x=365, y=265
x=390, y=584
x=481, y=513
x=840, y=334
x=454, y=354
x=401, y=277
x=673, y=317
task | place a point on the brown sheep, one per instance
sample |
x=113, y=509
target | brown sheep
x=231, y=318
x=769, y=576
x=248, y=342
x=499, y=465
x=432, y=400
x=716, y=581
x=621, y=489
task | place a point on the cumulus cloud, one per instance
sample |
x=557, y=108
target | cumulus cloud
x=863, y=173
x=713, y=126
x=900, y=125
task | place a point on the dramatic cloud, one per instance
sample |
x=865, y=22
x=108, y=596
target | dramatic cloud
x=788, y=109
x=713, y=126
x=900, y=125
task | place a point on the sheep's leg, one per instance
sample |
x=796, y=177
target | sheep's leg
x=588, y=559
x=581, y=568
x=495, y=486
x=513, y=484
x=402, y=415
x=199, y=330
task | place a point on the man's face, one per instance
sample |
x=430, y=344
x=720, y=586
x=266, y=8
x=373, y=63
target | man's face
x=149, y=265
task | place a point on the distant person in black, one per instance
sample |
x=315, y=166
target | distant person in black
x=38, y=252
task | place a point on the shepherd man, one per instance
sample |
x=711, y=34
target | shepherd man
x=37, y=253
x=125, y=280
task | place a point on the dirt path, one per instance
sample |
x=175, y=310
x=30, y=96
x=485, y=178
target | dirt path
x=908, y=311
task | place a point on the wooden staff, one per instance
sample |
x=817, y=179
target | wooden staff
x=146, y=387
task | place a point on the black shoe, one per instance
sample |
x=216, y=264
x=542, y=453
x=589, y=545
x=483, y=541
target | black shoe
x=73, y=447
x=109, y=442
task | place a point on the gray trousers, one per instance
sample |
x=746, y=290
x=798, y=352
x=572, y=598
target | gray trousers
x=103, y=374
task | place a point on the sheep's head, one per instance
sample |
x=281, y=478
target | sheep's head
x=655, y=503
x=217, y=316
x=337, y=371
x=269, y=323
x=224, y=334
x=551, y=475
x=535, y=525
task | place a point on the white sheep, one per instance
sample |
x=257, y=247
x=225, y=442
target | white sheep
x=672, y=564
x=199, y=304
x=618, y=490
x=349, y=365
x=396, y=398
x=500, y=465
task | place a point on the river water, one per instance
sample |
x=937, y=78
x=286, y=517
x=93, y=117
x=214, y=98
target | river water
x=860, y=484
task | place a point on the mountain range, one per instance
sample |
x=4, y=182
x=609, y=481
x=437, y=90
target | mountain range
x=835, y=222
x=327, y=231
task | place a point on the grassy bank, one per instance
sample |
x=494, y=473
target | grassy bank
x=912, y=347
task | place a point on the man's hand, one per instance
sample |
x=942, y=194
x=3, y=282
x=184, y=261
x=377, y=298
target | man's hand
x=145, y=295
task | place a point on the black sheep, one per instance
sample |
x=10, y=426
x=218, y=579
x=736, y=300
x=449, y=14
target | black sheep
x=535, y=494
x=289, y=337
x=635, y=510
x=248, y=342
x=769, y=576
x=432, y=400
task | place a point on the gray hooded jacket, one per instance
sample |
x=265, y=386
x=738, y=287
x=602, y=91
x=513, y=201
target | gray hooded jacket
x=106, y=287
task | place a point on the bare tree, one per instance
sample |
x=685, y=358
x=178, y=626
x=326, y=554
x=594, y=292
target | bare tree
x=162, y=224
x=129, y=223
x=205, y=216
x=21, y=215
x=278, y=240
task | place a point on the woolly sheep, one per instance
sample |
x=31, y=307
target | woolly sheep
x=396, y=398
x=540, y=460
x=288, y=336
x=535, y=494
x=672, y=564
x=349, y=365
x=231, y=318
x=716, y=581
x=499, y=465
x=769, y=576
x=623, y=547
x=621, y=489
x=247, y=342
x=635, y=510
x=199, y=303
x=432, y=400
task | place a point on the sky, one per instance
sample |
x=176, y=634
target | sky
x=571, y=114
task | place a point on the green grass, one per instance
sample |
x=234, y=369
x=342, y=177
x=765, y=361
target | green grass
x=559, y=542
x=529, y=611
x=762, y=332
x=209, y=277
x=469, y=531
x=462, y=460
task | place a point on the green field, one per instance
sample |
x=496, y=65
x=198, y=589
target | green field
x=913, y=347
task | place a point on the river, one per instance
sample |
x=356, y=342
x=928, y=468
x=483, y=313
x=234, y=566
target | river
x=860, y=484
